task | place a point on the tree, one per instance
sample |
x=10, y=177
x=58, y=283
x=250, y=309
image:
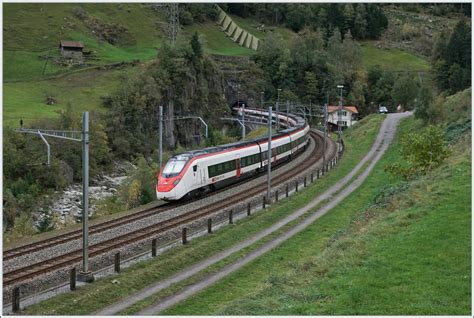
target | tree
x=360, y=22
x=349, y=16
x=274, y=58
x=297, y=16
x=424, y=104
x=196, y=45
x=452, y=59
x=404, y=91
x=377, y=22
x=458, y=49
x=311, y=87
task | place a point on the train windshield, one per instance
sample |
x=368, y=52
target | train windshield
x=173, y=168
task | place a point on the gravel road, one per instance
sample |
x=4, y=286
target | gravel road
x=383, y=140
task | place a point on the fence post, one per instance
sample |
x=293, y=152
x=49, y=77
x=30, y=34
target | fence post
x=296, y=185
x=153, y=248
x=312, y=179
x=287, y=189
x=16, y=299
x=248, y=208
x=264, y=201
x=72, y=279
x=276, y=195
x=183, y=235
x=117, y=262
x=317, y=174
x=209, y=225
x=231, y=212
x=304, y=182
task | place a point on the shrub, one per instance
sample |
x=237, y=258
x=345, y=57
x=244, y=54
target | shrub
x=139, y=188
x=422, y=152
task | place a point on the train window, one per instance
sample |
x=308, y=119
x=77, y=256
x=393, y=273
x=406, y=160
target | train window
x=173, y=168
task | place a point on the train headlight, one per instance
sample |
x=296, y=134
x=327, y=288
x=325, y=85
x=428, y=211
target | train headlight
x=175, y=182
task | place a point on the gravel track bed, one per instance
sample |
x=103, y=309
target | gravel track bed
x=57, y=250
x=52, y=279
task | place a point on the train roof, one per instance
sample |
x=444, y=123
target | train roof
x=300, y=122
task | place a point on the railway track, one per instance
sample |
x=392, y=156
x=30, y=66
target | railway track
x=27, y=272
x=107, y=225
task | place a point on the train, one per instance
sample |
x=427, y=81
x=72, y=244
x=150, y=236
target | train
x=195, y=173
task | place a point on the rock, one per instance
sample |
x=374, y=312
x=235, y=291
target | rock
x=115, y=281
x=66, y=171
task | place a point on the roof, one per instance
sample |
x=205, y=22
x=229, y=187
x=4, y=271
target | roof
x=352, y=109
x=71, y=44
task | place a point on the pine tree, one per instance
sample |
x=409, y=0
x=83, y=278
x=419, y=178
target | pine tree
x=360, y=22
x=196, y=45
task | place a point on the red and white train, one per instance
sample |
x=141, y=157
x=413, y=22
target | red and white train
x=197, y=172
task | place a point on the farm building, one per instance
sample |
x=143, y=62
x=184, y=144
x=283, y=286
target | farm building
x=71, y=49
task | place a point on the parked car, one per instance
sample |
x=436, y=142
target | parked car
x=383, y=110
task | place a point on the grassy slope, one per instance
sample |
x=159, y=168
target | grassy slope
x=103, y=292
x=409, y=256
x=33, y=29
x=82, y=90
x=392, y=60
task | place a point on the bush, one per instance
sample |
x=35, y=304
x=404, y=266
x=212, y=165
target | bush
x=422, y=152
x=409, y=32
x=139, y=188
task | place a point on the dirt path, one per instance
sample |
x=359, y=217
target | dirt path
x=383, y=140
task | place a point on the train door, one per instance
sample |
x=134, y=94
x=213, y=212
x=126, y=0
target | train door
x=237, y=166
x=274, y=154
x=198, y=175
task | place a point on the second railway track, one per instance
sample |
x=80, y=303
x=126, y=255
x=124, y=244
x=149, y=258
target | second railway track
x=66, y=259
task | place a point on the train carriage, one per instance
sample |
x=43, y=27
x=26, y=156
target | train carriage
x=194, y=173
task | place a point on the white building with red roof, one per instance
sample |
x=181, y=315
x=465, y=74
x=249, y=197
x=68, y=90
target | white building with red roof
x=349, y=116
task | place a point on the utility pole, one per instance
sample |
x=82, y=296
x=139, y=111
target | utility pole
x=86, y=275
x=278, y=108
x=269, y=166
x=160, y=160
x=243, y=121
x=173, y=22
x=339, y=117
x=325, y=129
x=261, y=100
x=83, y=137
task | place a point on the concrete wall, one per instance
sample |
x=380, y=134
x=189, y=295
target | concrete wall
x=236, y=33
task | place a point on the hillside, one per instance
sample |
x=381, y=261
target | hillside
x=32, y=33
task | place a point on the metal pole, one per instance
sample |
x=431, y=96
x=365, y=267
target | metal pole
x=325, y=129
x=278, y=108
x=85, y=192
x=204, y=123
x=269, y=167
x=161, y=138
x=243, y=121
x=339, y=119
x=261, y=100
x=47, y=147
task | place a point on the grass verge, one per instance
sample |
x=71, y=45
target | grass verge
x=103, y=292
